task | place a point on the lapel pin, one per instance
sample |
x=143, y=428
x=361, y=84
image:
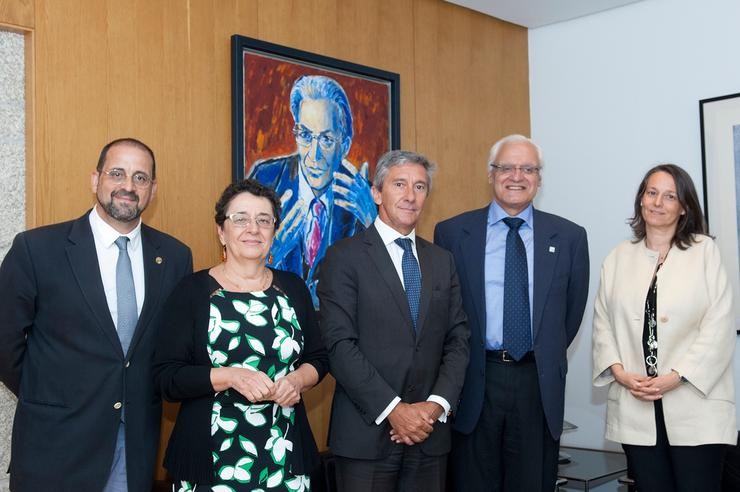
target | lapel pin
x=158, y=260
x=552, y=249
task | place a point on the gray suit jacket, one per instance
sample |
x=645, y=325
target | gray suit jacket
x=374, y=352
x=60, y=354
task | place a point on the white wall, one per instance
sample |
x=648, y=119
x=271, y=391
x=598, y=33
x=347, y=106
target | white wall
x=613, y=94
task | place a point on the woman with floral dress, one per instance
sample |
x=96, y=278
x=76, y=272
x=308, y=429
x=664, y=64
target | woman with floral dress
x=238, y=345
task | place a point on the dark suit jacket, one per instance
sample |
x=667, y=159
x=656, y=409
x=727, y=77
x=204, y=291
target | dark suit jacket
x=561, y=273
x=60, y=354
x=374, y=353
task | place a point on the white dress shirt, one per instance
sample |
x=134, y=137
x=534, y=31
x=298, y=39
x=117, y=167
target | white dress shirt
x=389, y=235
x=105, y=246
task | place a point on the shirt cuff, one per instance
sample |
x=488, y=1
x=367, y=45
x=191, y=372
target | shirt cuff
x=388, y=410
x=444, y=404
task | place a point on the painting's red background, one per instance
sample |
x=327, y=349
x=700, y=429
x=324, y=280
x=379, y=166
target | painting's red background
x=268, y=123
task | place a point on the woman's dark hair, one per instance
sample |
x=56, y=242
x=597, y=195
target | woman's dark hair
x=690, y=223
x=252, y=187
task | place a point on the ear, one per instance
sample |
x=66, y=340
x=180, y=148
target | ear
x=94, y=180
x=346, y=144
x=154, y=190
x=220, y=232
x=377, y=196
x=490, y=177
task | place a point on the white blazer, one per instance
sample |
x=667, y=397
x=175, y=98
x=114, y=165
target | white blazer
x=696, y=337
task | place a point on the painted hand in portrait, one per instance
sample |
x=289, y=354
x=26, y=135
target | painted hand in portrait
x=314, y=137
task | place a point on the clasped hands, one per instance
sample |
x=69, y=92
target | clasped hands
x=256, y=386
x=413, y=422
x=646, y=388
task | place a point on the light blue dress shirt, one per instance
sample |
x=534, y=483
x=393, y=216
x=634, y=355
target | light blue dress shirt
x=496, y=231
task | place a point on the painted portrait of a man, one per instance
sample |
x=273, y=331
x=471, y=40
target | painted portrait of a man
x=324, y=196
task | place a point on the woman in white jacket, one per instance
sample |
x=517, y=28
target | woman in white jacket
x=663, y=339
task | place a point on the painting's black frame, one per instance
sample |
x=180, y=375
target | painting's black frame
x=240, y=44
x=704, y=165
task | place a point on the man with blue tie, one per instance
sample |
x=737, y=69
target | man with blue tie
x=524, y=279
x=80, y=305
x=392, y=321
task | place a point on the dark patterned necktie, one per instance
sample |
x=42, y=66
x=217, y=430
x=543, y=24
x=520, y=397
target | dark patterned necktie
x=411, y=277
x=517, y=326
x=125, y=295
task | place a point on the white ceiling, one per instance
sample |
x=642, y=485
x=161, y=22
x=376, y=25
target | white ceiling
x=536, y=13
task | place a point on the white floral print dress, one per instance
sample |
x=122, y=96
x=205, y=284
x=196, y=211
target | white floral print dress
x=252, y=443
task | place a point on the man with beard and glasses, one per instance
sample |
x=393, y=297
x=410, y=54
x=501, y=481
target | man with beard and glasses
x=80, y=306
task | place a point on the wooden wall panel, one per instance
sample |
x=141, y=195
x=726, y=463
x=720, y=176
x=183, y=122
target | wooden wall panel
x=18, y=14
x=160, y=70
x=471, y=89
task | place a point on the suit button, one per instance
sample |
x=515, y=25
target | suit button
x=411, y=388
x=117, y=405
x=128, y=363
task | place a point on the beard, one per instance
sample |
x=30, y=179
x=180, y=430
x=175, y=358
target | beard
x=122, y=213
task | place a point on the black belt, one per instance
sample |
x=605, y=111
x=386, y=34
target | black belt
x=504, y=356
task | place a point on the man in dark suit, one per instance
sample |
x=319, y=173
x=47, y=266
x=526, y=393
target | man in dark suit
x=324, y=197
x=392, y=320
x=508, y=424
x=80, y=306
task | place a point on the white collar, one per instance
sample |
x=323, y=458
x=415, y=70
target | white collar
x=107, y=235
x=389, y=234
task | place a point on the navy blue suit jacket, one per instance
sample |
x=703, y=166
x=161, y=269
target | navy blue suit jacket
x=561, y=275
x=61, y=356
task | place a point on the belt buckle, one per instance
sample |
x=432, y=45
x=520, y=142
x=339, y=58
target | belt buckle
x=506, y=357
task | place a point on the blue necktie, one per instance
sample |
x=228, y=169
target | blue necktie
x=517, y=326
x=411, y=277
x=126, y=295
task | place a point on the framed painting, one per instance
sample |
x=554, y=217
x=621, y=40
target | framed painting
x=312, y=128
x=720, y=152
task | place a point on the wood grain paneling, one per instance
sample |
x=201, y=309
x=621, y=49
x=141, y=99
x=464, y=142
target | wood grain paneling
x=18, y=14
x=159, y=70
x=471, y=89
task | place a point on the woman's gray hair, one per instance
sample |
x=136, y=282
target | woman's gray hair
x=397, y=158
x=511, y=139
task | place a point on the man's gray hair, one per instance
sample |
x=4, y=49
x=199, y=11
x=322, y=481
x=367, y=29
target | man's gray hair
x=512, y=139
x=397, y=158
